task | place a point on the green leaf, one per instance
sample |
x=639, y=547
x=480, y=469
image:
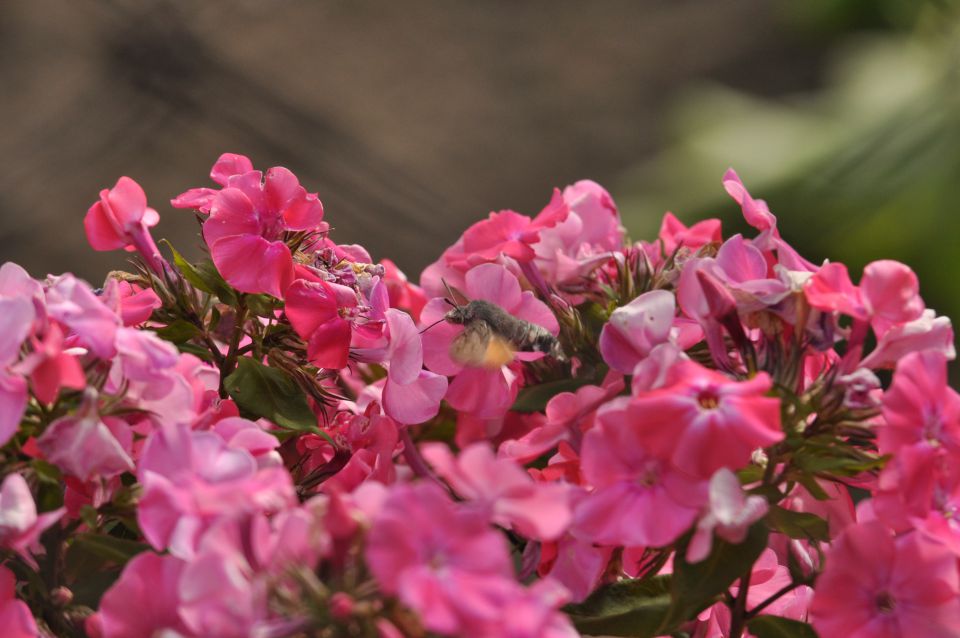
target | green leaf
x=696, y=586
x=800, y=525
x=777, y=627
x=636, y=608
x=47, y=472
x=180, y=331
x=262, y=305
x=212, y=279
x=267, y=392
x=110, y=548
x=187, y=270
x=534, y=398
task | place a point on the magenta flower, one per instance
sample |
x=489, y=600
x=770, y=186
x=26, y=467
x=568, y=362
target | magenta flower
x=875, y=585
x=481, y=391
x=320, y=313
x=639, y=499
x=122, y=219
x=20, y=525
x=226, y=166
x=919, y=407
x=535, y=510
x=15, y=616
x=50, y=367
x=674, y=234
x=704, y=421
x=145, y=600
x=442, y=560
x=247, y=227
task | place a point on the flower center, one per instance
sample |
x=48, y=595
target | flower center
x=708, y=399
x=885, y=603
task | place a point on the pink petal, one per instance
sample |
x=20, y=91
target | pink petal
x=252, y=264
x=493, y=282
x=406, y=352
x=414, y=402
x=228, y=165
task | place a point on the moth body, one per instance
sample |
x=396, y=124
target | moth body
x=492, y=335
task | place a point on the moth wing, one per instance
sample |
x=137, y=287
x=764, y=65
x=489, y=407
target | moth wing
x=478, y=346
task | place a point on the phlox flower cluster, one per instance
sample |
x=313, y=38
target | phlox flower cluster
x=695, y=435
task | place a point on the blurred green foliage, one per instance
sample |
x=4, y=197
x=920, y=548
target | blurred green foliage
x=865, y=167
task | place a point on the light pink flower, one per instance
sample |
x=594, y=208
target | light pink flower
x=122, y=219
x=15, y=616
x=72, y=302
x=191, y=479
x=635, y=329
x=442, y=560
x=247, y=227
x=535, y=510
x=411, y=394
x=531, y=612
x=20, y=525
x=730, y=515
x=145, y=601
x=928, y=332
x=875, y=585
x=84, y=445
x=480, y=391
x=16, y=320
x=639, y=499
x=578, y=565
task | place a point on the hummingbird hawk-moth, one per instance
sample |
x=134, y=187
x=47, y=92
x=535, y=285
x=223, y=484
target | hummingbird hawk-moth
x=492, y=335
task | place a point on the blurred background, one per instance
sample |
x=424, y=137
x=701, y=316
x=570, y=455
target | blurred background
x=414, y=119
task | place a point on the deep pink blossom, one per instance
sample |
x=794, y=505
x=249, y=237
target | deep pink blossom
x=226, y=166
x=674, y=234
x=705, y=421
x=875, y=585
x=247, y=226
x=122, y=219
x=577, y=564
x=639, y=499
x=919, y=407
x=442, y=560
x=20, y=525
x=535, y=510
x=145, y=600
x=15, y=616
x=50, y=367
x=320, y=313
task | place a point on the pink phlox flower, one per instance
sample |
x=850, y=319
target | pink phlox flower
x=20, y=525
x=50, y=366
x=441, y=559
x=481, y=391
x=638, y=498
x=95, y=492
x=635, y=329
x=191, y=479
x=86, y=445
x=656, y=369
x=568, y=416
x=371, y=439
x=247, y=228
x=403, y=294
x=248, y=435
x=527, y=612
x=16, y=322
x=767, y=577
x=122, y=219
x=508, y=233
x=919, y=407
x=877, y=585
x=74, y=304
x=536, y=510
x=411, y=394
x=576, y=564
x=133, y=303
x=674, y=234
x=730, y=515
x=145, y=600
x=704, y=421
x=322, y=313
x=226, y=166
x=570, y=249
x=928, y=332
x=15, y=616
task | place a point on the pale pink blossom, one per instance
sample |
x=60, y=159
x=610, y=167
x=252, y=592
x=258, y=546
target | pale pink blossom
x=15, y=616
x=411, y=394
x=20, y=525
x=635, y=329
x=145, y=601
x=730, y=515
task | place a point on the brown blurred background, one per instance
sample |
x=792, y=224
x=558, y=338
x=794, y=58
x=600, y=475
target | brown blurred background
x=414, y=119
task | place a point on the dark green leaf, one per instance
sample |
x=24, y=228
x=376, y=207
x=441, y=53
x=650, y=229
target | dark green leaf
x=696, y=586
x=626, y=608
x=262, y=305
x=211, y=278
x=110, y=548
x=187, y=270
x=179, y=331
x=534, y=398
x=47, y=472
x=777, y=627
x=801, y=525
x=267, y=392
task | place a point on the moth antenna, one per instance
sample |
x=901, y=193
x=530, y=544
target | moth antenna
x=453, y=298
